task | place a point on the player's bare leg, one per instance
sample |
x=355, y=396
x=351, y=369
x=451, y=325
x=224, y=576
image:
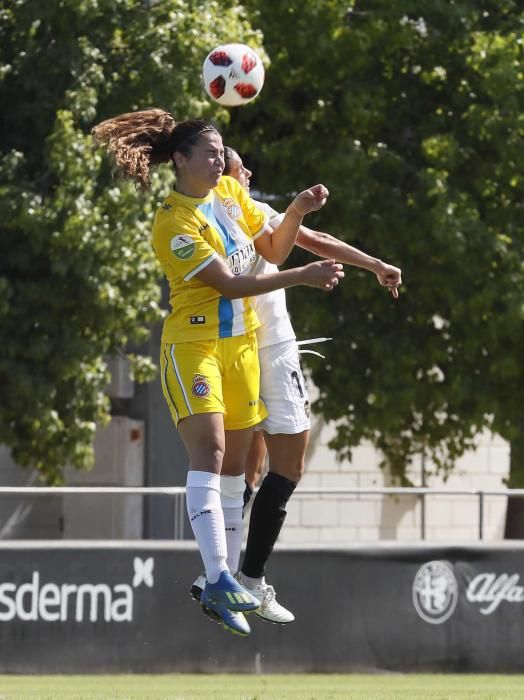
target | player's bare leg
x=255, y=465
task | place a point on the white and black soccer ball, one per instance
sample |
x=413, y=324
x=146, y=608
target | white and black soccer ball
x=233, y=74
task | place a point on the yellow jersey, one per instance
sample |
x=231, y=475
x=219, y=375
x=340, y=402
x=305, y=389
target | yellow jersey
x=188, y=234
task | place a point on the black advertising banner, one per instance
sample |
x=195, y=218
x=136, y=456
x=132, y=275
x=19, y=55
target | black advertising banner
x=104, y=607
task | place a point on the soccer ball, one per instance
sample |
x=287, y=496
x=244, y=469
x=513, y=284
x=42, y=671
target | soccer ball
x=233, y=75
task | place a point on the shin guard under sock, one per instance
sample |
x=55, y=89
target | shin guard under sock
x=268, y=513
x=231, y=497
x=207, y=520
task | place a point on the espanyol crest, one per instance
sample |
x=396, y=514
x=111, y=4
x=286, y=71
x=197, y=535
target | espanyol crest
x=200, y=388
x=232, y=208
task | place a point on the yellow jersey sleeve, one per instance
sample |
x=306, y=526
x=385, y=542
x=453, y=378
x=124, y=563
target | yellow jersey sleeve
x=180, y=246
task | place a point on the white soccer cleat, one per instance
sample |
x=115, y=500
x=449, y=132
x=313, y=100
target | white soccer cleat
x=269, y=609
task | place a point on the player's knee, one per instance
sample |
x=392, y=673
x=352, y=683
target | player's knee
x=292, y=471
x=296, y=473
x=214, y=455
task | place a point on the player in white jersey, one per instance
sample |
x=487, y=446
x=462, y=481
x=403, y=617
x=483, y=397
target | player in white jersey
x=283, y=389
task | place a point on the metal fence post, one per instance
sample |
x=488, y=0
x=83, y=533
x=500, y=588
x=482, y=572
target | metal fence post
x=178, y=516
x=422, y=516
x=481, y=515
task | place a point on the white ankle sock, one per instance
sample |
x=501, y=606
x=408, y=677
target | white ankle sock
x=207, y=521
x=232, y=499
x=252, y=583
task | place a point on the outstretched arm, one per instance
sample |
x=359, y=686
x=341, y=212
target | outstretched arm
x=323, y=274
x=326, y=246
x=276, y=246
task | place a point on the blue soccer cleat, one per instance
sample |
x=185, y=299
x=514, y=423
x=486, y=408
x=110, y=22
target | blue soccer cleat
x=213, y=606
x=228, y=592
x=233, y=621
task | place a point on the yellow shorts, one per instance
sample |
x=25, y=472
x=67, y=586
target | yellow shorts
x=214, y=376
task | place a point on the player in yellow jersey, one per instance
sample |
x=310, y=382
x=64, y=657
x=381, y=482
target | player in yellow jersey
x=205, y=236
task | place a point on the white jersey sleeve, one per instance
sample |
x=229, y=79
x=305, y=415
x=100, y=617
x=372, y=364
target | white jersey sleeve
x=273, y=217
x=275, y=325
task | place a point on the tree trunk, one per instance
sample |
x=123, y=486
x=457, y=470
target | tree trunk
x=514, y=529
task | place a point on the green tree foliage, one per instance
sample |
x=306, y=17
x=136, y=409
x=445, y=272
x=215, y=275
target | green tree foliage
x=78, y=280
x=412, y=113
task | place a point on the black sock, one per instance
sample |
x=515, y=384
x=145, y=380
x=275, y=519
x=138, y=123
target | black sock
x=248, y=492
x=267, y=517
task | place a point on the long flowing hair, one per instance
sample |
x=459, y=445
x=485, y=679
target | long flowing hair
x=139, y=141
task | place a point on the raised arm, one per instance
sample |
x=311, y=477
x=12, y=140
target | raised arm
x=323, y=274
x=326, y=246
x=276, y=246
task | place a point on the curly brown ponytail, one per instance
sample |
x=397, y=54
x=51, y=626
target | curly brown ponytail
x=138, y=141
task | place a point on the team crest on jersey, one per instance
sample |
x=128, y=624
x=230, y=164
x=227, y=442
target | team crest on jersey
x=200, y=387
x=232, y=208
x=183, y=247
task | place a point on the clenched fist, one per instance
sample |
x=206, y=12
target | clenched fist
x=309, y=200
x=324, y=274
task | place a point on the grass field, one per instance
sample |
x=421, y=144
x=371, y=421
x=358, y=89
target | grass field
x=264, y=687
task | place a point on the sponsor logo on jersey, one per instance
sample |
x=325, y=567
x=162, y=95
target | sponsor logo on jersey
x=183, y=247
x=202, y=228
x=232, y=208
x=200, y=388
x=197, y=320
x=167, y=207
x=242, y=259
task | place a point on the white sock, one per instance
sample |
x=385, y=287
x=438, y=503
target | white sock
x=252, y=583
x=232, y=499
x=207, y=520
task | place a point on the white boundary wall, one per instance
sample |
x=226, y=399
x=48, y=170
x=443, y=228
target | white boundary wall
x=316, y=519
x=368, y=518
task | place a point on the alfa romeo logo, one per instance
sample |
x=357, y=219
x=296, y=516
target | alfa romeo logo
x=435, y=592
